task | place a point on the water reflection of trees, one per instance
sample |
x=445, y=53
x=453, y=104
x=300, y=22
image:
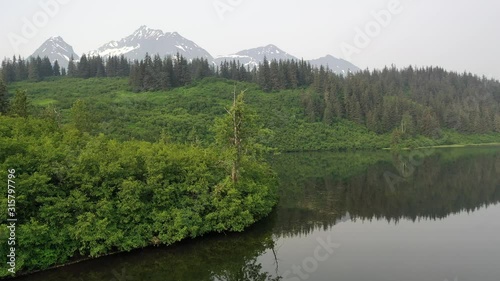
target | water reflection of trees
x=445, y=183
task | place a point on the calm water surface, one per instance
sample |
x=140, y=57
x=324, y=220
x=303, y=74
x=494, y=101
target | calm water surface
x=344, y=216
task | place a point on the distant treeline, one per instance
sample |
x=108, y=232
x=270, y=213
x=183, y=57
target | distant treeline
x=34, y=69
x=406, y=101
x=155, y=73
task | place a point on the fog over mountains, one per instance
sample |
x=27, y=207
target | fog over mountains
x=154, y=41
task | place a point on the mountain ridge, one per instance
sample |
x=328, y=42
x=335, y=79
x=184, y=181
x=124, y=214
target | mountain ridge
x=155, y=41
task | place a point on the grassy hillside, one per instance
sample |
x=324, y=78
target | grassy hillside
x=104, y=196
x=185, y=114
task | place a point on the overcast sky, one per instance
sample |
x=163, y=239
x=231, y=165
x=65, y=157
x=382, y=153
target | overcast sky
x=460, y=35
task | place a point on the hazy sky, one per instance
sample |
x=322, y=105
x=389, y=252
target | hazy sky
x=457, y=35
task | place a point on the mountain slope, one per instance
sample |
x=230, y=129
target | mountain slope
x=252, y=57
x=153, y=41
x=55, y=48
x=338, y=66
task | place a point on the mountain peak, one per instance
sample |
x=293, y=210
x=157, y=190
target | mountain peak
x=269, y=51
x=153, y=41
x=56, y=38
x=144, y=32
x=252, y=57
x=55, y=48
x=270, y=46
x=336, y=65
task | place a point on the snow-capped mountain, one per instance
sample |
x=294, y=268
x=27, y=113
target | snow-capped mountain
x=153, y=41
x=338, y=66
x=252, y=57
x=55, y=48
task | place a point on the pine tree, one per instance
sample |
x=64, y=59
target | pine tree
x=235, y=133
x=4, y=98
x=182, y=72
x=72, y=71
x=83, y=67
x=169, y=73
x=265, y=76
x=100, y=70
x=33, y=70
x=157, y=68
x=56, y=69
x=21, y=70
x=135, y=77
x=45, y=68
x=496, y=123
x=124, y=67
x=292, y=75
x=8, y=71
x=149, y=81
x=275, y=83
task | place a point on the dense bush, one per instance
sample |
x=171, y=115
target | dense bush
x=80, y=195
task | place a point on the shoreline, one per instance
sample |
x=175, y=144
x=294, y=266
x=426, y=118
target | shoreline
x=448, y=146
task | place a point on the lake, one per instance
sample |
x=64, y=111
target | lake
x=374, y=216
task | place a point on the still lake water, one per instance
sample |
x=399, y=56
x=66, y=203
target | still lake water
x=340, y=218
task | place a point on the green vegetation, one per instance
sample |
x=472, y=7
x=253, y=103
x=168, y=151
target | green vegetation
x=119, y=163
x=318, y=190
x=182, y=114
x=80, y=194
x=406, y=103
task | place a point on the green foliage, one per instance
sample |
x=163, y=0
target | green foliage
x=4, y=98
x=84, y=195
x=236, y=139
x=182, y=114
x=20, y=105
x=81, y=118
x=114, y=170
